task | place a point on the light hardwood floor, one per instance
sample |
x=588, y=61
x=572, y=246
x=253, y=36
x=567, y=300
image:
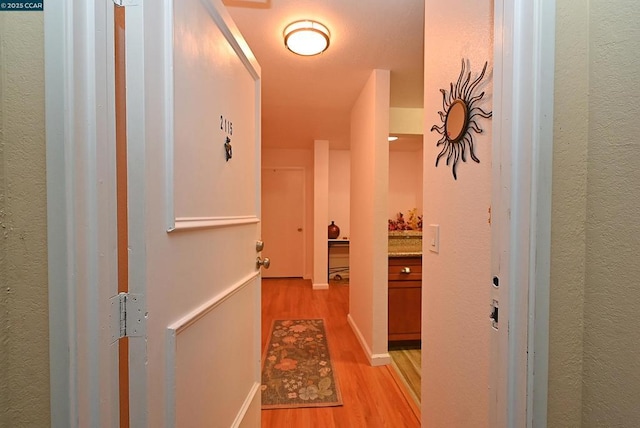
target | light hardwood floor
x=406, y=360
x=373, y=396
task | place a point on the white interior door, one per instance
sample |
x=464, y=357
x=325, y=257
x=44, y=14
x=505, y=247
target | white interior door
x=193, y=106
x=283, y=220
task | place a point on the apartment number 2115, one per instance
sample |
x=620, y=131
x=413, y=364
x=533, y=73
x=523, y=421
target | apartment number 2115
x=226, y=125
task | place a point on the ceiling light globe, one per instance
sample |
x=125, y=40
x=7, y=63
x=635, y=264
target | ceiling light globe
x=306, y=38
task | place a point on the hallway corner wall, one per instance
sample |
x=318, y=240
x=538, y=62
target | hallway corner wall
x=457, y=279
x=611, y=377
x=24, y=313
x=368, y=251
x=320, y=213
x=594, y=335
x=569, y=196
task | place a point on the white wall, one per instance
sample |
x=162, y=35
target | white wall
x=339, y=191
x=405, y=185
x=24, y=314
x=274, y=158
x=456, y=291
x=406, y=121
x=405, y=182
x=369, y=204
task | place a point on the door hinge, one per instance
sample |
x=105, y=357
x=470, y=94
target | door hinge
x=126, y=2
x=127, y=315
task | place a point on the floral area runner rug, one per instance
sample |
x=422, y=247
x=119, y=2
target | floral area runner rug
x=296, y=368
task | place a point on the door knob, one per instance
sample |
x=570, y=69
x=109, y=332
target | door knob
x=259, y=246
x=263, y=262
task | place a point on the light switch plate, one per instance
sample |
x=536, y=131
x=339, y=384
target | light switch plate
x=433, y=238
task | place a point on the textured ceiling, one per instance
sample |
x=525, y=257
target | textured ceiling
x=310, y=98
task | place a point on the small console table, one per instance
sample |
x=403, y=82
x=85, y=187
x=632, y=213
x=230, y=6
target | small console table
x=335, y=243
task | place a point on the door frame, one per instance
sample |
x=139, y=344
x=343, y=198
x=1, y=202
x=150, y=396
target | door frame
x=79, y=79
x=524, y=47
x=81, y=211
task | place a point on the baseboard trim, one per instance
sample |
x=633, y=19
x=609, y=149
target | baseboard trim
x=381, y=359
x=320, y=286
x=374, y=359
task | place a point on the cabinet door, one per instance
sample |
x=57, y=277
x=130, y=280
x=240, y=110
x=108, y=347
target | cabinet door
x=405, y=308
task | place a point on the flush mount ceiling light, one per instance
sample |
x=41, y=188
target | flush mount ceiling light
x=306, y=37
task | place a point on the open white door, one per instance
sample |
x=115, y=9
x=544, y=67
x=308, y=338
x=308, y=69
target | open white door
x=194, y=209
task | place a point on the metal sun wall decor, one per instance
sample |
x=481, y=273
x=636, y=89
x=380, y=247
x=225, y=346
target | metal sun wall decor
x=458, y=115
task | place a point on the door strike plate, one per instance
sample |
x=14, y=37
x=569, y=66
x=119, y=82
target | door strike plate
x=494, y=314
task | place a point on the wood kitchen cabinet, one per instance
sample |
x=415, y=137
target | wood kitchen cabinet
x=405, y=298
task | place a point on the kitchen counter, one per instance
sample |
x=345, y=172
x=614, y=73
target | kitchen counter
x=405, y=243
x=405, y=254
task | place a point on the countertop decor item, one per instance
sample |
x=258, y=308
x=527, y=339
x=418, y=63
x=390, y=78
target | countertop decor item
x=459, y=115
x=296, y=367
x=414, y=222
x=334, y=231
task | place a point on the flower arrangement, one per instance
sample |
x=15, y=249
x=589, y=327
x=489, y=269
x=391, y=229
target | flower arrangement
x=413, y=222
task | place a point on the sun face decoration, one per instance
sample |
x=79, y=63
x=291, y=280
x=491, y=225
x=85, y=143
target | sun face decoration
x=458, y=115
